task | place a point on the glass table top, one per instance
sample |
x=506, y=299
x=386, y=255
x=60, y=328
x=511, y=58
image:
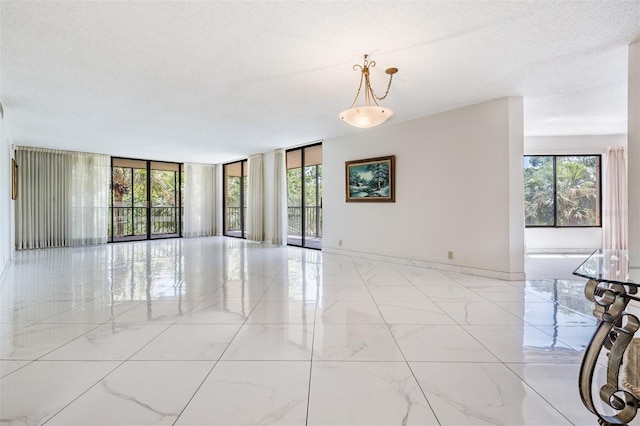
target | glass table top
x=613, y=266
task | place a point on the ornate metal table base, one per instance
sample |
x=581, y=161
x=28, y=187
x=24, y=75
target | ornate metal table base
x=613, y=335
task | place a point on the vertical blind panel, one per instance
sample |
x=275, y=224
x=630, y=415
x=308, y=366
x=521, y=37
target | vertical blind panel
x=62, y=198
x=41, y=214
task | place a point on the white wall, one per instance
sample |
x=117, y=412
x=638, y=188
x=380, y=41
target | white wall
x=6, y=206
x=458, y=188
x=567, y=239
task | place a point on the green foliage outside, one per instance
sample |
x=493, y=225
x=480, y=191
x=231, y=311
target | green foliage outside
x=233, y=200
x=294, y=186
x=576, y=191
x=233, y=191
x=129, y=188
x=130, y=185
x=312, y=199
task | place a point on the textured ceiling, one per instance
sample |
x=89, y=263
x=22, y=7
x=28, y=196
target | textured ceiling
x=216, y=81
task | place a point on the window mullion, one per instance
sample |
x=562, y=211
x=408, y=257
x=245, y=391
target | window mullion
x=555, y=192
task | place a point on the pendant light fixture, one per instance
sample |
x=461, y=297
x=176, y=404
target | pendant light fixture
x=368, y=115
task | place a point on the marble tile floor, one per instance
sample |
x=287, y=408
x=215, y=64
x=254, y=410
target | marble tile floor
x=219, y=331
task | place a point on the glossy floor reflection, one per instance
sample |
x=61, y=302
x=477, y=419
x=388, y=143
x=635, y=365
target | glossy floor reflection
x=221, y=331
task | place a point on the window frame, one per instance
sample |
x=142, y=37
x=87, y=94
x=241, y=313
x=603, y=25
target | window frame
x=303, y=200
x=244, y=167
x=555, y=194
x=148, y=166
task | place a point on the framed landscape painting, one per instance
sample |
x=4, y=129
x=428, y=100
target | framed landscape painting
x=371, y=180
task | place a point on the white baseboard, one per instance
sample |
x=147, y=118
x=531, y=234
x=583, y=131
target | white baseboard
x=560, y=250
x=507, y=276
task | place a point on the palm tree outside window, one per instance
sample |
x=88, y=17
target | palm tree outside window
x=562, y=190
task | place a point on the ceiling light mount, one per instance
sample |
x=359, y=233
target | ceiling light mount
x=368, y=115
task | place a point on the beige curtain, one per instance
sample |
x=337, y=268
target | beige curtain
x=199, y=200
x=255, y=199
x=63, y=198
x=616, y=205
x=280, y=198
x=89, y=198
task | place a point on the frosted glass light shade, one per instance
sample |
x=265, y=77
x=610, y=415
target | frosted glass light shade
x=366, y=116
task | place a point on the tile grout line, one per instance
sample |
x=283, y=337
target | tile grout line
x=106, y=375
x=388, y=326
x=313, y=341
x=262, y=266
x=86, y=390
x=504, y=363
x=216, y=362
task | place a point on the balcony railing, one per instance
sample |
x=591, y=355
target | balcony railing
x=132, y=221
x=312, y=220
x=233, y=218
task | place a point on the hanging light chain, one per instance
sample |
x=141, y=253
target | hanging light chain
x=370, y=94
x=388, y=87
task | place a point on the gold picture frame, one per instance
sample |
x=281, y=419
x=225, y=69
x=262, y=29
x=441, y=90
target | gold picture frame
x=14, y=179
x=371, y=180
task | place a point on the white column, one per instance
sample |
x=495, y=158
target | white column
x=516, y=185
x=633, y=142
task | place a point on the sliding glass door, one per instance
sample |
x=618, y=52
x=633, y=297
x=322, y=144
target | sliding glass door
x=235, y=205
x=146, y=200
x=304, y=196
x=166, y=184
x=128, y=200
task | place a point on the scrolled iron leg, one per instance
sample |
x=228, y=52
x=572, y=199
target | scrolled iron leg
x=614, y=333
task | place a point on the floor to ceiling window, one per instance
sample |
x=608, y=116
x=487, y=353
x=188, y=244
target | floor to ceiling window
x=304, y=196
x=146, y=200
x=235, y=193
